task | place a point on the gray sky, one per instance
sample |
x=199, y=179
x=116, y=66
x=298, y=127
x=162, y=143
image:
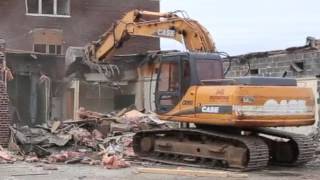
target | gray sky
x=245, y=26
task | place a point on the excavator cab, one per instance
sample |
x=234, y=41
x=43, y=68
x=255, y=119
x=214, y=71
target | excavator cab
x=179, y=71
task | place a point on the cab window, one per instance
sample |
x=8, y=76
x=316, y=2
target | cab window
x=168, y=87
x=169, y=77
x=209, y=69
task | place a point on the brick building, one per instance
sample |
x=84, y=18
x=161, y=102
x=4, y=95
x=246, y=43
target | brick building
x=51, y=26
x=37, y=35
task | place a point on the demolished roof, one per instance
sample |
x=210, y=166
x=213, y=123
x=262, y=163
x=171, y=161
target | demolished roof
x=312, y=44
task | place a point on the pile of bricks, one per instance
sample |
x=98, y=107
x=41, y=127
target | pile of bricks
x=4, y=116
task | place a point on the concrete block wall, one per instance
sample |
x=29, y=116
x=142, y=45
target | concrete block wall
x=276, y=65
x=4, y=116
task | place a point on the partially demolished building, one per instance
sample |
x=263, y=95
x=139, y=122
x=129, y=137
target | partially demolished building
x=296, y=62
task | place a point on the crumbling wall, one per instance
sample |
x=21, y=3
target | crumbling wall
x=280, y=65
x=4, y=116
x=294, y=62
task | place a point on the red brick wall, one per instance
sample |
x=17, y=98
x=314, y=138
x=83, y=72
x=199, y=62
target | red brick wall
x=4, y=116
x=89, y=19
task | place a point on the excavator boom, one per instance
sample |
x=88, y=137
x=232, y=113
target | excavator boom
x=151, y=24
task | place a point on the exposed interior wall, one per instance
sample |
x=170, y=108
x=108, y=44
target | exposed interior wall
x=37, y=80
x=96, y=97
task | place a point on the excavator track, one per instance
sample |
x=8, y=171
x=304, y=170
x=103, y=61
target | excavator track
x=202, y=148
x=298, y=150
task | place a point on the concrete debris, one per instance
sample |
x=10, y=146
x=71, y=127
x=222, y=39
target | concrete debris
x=64, y=156
x=83, y=137
x=95, y=139
x=32, y=159
x=6, y=157
x=96, y=134
x=85, y=114
x=55, y=126
x=39, y=136
x=120, y=145
x=136, y=121
x=114, y=162
x=133, y=114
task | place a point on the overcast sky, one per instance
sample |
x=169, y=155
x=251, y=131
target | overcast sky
x=245, y=26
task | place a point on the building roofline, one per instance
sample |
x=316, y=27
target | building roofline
x=312, y=44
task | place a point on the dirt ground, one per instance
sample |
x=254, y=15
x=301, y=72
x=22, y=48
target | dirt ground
x=37, y=171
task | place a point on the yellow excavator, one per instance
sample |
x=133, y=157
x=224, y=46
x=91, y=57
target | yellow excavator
x=231, y=117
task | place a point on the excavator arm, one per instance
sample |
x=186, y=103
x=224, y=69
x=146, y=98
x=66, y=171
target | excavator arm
x=151, y=24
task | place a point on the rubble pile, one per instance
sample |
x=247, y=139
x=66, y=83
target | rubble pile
x=95, y=138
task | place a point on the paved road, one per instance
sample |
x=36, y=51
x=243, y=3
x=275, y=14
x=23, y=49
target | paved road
x=26, y=171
